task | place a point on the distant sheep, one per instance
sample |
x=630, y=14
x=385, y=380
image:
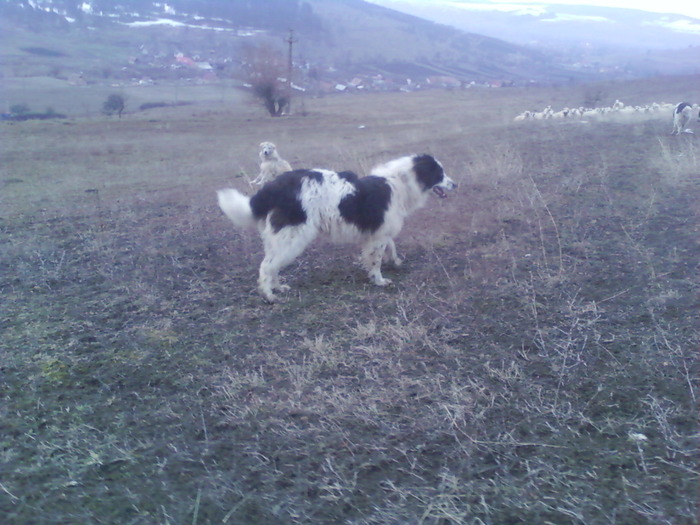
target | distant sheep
x=271, y=164
x=525, y=115
x=617, y=109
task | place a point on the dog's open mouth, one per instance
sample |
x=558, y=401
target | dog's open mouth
x=439, y=192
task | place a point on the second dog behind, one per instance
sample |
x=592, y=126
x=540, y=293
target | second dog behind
x=271, y=164
x=682, y=115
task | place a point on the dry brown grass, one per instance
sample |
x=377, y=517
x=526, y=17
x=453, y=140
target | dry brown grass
x=535, y=361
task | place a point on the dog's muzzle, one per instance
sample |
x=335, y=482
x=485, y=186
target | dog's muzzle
x=439, y=190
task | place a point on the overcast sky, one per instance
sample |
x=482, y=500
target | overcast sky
x=682, y=7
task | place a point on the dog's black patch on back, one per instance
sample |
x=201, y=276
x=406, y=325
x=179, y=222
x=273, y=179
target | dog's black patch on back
x=428, y=171
x=365, y=208
x=279, y=199
x=680, y=107
x=349, y=176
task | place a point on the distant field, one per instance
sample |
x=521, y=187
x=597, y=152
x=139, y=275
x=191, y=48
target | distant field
x=534, y=362
x=40, y=93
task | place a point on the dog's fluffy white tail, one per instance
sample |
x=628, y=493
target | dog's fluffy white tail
x=236, y=206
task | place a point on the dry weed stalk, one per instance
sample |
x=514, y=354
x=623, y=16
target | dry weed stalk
x=678, y=158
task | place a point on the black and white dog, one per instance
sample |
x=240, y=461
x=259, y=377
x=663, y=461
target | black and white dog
x=297, y=206
x=681, y=118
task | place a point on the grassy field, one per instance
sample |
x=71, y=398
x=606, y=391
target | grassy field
x=535, y=361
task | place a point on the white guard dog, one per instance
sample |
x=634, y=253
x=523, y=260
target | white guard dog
x=271, y=164
x=682, y=115
x=293, y=209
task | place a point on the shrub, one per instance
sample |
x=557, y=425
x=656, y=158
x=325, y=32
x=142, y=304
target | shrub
x=114, y=104
x=264, y=72
x=19, y=109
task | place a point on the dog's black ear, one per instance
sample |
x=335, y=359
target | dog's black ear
x=428, y=171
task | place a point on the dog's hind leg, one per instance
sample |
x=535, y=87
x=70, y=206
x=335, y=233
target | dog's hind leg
x=372, y=254
x=269, y=278
x=280, y=250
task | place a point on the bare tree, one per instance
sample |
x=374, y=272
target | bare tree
x=114, y=104
x=264, y=70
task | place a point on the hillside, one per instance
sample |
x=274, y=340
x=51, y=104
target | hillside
x=136, y=38
x=546, y=23
x=642, y=43
x=394, y=42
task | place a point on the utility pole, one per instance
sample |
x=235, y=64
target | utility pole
x=290, y=67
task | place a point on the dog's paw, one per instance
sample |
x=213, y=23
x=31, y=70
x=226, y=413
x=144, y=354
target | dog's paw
x=397, y=262
x=268, y=295
x=382, y=281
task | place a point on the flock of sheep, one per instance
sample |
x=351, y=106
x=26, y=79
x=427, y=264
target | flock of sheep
x=682, y=113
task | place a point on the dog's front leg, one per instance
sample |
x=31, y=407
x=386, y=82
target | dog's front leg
x=372, y=255
x=391, y=255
